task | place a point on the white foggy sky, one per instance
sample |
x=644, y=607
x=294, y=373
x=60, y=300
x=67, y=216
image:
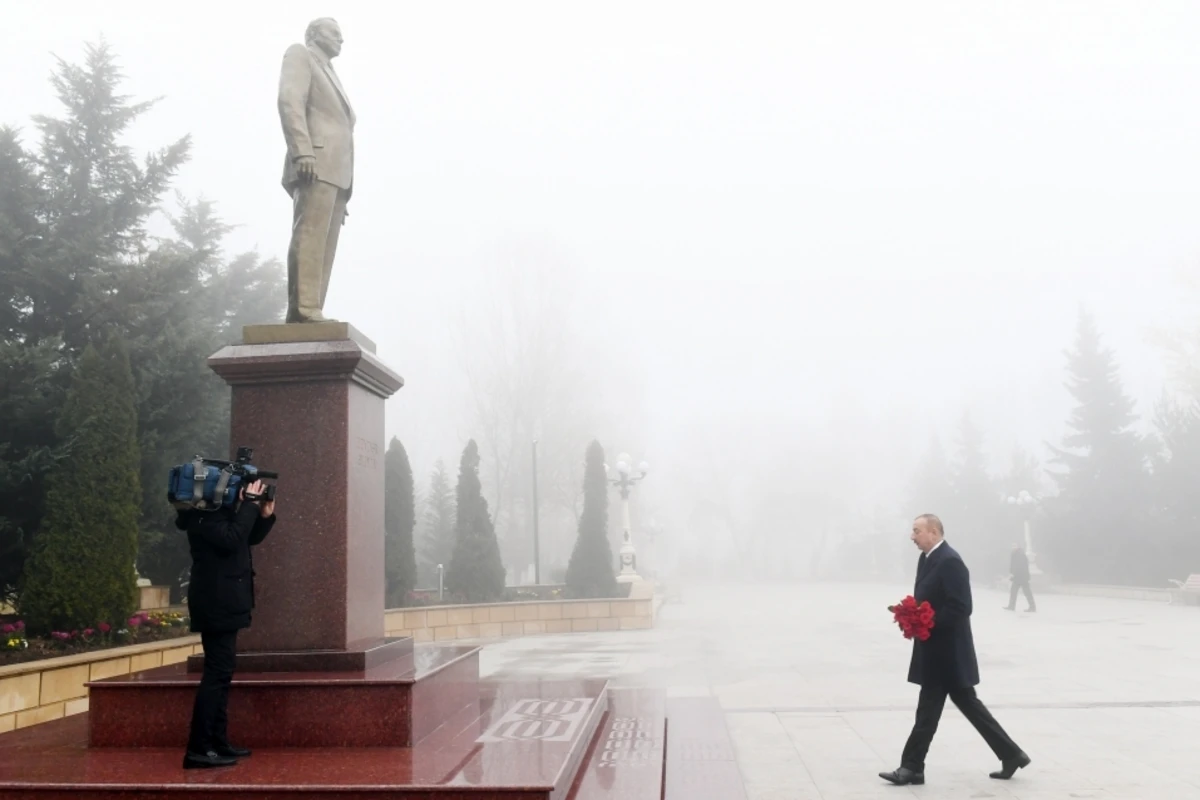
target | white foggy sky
x=775, y=209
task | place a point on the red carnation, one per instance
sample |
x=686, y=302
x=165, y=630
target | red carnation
x=915, y=620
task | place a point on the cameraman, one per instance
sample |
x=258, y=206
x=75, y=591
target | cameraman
x=220, y=598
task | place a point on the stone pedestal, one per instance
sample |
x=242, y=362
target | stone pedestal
x=153, y=598
x=310, y=400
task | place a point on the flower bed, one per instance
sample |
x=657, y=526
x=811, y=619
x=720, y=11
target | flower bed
x=16, y=647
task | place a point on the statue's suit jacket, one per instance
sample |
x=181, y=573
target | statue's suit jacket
x=317, y=118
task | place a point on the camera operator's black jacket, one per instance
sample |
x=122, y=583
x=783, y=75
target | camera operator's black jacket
x=221, y=587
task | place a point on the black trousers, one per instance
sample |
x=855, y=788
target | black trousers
x=209, y=719
x=929, y=713
x=1012, y=594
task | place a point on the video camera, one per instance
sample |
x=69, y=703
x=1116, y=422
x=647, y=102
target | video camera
x=206, y=484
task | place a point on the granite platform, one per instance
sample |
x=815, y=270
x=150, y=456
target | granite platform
x=536, y=740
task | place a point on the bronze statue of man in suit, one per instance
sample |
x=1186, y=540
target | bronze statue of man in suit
x=318, y=173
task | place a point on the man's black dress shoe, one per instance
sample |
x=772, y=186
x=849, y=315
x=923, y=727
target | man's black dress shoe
x=229, y=751
x=1009, y=766
x=206, y=760
x=903, y=777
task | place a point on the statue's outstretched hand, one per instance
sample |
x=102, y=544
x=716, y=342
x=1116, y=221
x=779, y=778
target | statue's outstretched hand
x=306, y=168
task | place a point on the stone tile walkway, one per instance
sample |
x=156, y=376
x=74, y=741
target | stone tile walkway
x=1103, y=694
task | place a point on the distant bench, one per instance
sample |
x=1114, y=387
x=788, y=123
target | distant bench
x=1186, y=592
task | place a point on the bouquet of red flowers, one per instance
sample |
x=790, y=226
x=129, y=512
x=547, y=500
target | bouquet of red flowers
x=914, y=620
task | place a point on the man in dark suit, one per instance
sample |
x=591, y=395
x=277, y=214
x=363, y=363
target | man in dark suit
x=945, y=665
x=1018, y=568
x=220, y=599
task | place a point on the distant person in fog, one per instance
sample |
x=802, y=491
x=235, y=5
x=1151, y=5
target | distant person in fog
x=1018, y=568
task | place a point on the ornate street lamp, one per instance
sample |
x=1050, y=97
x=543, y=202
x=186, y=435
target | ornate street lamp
x=1024, y=502
x=625, y=481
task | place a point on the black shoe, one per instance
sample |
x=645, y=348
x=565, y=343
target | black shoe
x=903, y=777
x=208, y=759
x=1009, y=766
x=1030, y=610
x=1010, y=608
x=229, y=751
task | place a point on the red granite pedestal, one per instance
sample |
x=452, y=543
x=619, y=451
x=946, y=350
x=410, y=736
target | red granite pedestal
x=314, y=412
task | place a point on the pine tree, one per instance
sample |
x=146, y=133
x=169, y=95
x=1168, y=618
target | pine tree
x=1176, y=504
x=72, y=242
x=1101, y=477
x=82, y=570
x=77, y=264
x=932, y=488
x=590, y=570
x=1024, y=474
x=437, y=535
x=400, y=518
x=476, y=572
x=976, y=516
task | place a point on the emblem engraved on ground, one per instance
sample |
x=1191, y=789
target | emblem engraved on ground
x=630, y=743
x=539, y=720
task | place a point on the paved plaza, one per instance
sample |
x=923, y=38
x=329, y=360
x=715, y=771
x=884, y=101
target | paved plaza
x=1103, y=694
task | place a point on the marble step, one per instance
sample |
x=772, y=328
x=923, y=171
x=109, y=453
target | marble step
x=701, y=764
x=625, y=759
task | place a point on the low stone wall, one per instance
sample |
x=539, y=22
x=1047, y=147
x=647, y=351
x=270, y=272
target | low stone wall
x=498, y=620
x=40, y=691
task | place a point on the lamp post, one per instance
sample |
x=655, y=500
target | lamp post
x=537, y=558
x=1024, y=502
x=625, y=481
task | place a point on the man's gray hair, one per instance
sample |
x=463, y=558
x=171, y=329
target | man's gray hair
x=310, y=33
x=934, y=522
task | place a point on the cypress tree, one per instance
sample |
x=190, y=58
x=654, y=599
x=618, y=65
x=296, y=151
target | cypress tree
x=399, y=519
x=81, y=571
x=476, y=572
x=590, y=570
x=437, y=536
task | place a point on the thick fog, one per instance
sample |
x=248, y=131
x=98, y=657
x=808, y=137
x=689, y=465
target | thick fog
x=773, y=249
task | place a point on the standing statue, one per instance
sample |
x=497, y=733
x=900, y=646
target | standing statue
x=318, y=125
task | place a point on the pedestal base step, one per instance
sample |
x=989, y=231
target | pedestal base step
x=394, y=705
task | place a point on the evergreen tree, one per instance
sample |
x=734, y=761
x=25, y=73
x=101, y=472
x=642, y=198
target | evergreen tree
x=590, y=570
x=81, y=571
x=1024, y=474
x=476, y=572
x=976, y=516
x=184, y=310
x=932, y=487
x=1175, y=516
x=1101, y=477
x=437, y=536
x=76, y=260
x=400, y=518
x=72, y=226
